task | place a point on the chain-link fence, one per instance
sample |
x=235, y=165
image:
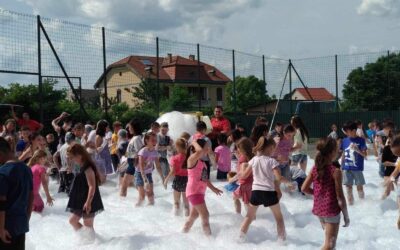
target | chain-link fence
x=97, y=68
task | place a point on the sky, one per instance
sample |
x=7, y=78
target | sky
x=275, y=28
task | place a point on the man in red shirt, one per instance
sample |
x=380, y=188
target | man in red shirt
x=33, y=125
x=219, y=123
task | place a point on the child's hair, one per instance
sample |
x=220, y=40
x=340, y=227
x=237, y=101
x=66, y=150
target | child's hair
x=200, y=126
x=181, y=143
x=185, y=135
x=136, y=126
x=79, y=126
x=325, y=148
x=297, y=122
x=236, y=135
x=261, y=120
x=117, y=124
x=358, y=122
x=101, y=128
x=191, y=150
x=350, y=125
x=123, y=133
x=258, y=132
x=289, y=129
x=263, y=143
x=147, y=136
x=246, y=147
x=278, y=124
x=25, y=128
x=87, y=160
x=222, y=139
x=36, y=157
x=33, y=136
x=395, y=142
x=155, y=125
x=164, y=125
x=388, y=124
x=231, y=175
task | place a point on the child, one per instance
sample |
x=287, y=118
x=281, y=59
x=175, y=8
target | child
x=394, y=176
x=23, y=142
x=354, y=151
x=66, y=167
x=148, y=156
x=134, y=145
x=245, y=150
x=300, y=147
x=389, y=161
x=297, y=176
x=197, y=184
x=114, y=145
x=181, y=176
x=327, y=189
x=283, y=149
x=201, y=129
x=222, y=157
x=85, y=200
x=265, y=189
x=37, y=164
x=333, y=134
x=164, y=144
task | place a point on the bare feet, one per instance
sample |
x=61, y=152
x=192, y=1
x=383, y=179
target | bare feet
x=398, y=223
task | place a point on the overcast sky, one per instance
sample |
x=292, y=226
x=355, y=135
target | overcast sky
x=282, y=28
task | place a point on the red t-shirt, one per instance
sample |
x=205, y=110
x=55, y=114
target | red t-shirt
x=177, y=162
x=220, y=125
x=31, y=124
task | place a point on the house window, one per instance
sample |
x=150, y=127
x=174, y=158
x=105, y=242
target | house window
x=219, y=95
x=120, y=73
x=166, y=92
x=118, y=96
x=194, y=91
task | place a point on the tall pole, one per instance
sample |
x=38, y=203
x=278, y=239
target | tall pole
x=336, y=83
x=198, y=76
x=290, y=86
x=40, y=71
x=265, y=83
x=158, y=74
x=105, y=71
x=234, y=82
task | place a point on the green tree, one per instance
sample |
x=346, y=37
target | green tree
x=179, y=99
x=146, y=93
x=250, y=91
x=373, y=87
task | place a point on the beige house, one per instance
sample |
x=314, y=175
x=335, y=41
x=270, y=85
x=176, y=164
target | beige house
x=174, y=70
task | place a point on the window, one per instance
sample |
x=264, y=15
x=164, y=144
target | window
x=219, y=95
x=118, y=96
x=120, y=73
x=166, y=92
x=194, y=91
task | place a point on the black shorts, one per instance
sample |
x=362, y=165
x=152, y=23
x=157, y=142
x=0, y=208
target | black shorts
x=17, y=243
x=389, y=171
x=266, y=198
x=222, y=175
x=179, y=183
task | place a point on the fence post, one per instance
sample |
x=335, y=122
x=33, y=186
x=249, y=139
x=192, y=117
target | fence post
x=198, y=75
x=158, y=74
x=265, y=83
x=40, y=71
x=105, y=71
x=80, y=96
x=234, y=82
x=388, y=82
x=290, y=86
x=336, y=84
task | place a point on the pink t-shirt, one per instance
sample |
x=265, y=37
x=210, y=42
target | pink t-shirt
x=224, y=158
x=149, y=158
x=195, y=184
x=177, y=162
x=249, y=179
x=325, y=200
x=263, y=174
x=283, y=149
x=37, y=171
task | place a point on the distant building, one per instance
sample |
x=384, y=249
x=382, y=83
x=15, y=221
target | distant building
x=87, y=95
x=317, y=94
x=174, y=70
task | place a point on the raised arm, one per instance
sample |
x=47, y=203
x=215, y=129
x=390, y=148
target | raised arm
x=14, y=116
x=57, y=120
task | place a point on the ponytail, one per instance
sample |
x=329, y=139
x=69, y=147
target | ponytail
x=325, y=147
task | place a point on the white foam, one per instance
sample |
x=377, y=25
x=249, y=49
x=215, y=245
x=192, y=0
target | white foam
x=179, y=123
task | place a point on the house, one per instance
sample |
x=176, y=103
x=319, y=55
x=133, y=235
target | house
x=132, y=70
x=87, y=95
x=317, y=94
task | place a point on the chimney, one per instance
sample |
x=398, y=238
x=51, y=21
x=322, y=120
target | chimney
x=192, y=57
x=169, y=58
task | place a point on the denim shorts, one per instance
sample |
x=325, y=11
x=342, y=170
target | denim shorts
x=331, y=220
x=285, y=171
x=131, y=167
x=351, y=178
x=139, y=180
x=300, y=158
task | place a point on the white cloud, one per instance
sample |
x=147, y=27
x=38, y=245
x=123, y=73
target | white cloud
x=379, y=7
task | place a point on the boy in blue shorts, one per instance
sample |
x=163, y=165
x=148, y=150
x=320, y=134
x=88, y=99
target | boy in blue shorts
x=354, y=151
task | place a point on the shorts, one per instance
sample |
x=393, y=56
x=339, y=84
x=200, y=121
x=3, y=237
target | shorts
x=244, y=192
x=115, y=161
x=285, y=171
x=222, y=175
x=196, y=199
x=179, y=183
x=139, y=180
x=131, y=167
x=351, y=178
x=266, y=198
x=389, y=171
x=300, y=158
x=330, y=220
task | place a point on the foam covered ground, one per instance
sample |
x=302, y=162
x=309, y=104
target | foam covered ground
x=122, y=226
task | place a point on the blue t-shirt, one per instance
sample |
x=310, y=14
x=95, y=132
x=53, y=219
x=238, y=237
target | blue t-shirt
x=371, y=134
x=21, y=144
x=16, y=184
x=353, y=160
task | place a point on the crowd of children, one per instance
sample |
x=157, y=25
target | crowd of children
x=256, y=169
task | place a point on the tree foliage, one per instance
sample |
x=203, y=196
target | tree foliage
x=179, y=99
x=373, y=87
x=250, y=91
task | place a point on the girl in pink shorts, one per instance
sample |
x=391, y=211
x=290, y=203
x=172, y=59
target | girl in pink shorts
x=37, y=164
x=197, y=185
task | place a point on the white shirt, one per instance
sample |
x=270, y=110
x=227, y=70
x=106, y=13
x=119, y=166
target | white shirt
x=263, y=174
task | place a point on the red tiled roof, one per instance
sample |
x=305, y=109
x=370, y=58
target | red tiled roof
x=318, y=94
x=172, y=69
